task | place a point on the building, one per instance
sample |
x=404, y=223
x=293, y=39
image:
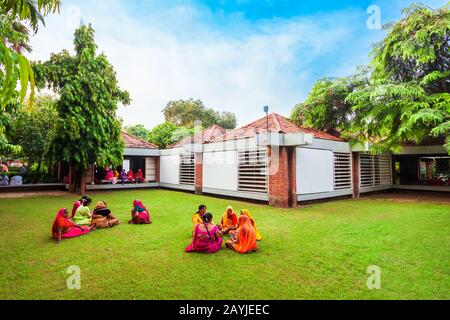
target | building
x=275, y=161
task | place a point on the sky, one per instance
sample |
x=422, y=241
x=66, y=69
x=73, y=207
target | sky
x=234, y=55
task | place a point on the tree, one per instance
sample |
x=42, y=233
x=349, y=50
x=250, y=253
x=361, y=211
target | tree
x=326, y=107
x=15, y=17
x=186, y=112
x=408, y=98
x=138, y=130
x=88, y=130
x=34, y=131
x=167, y=133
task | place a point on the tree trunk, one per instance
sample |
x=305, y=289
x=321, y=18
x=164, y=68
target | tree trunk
x=83, y=182
x=73, y=178
x=38, y=172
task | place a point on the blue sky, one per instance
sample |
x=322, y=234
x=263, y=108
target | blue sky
x=235, y=55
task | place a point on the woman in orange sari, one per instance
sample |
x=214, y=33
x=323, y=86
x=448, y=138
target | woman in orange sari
x=248, y=214
x=245, y=238
x=229, y=223
x=63, y=228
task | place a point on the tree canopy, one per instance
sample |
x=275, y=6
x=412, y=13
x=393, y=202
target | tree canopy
x=407, y=95
x=88, y=130
x=16, y=17
x=138, y=130
x=185, y=113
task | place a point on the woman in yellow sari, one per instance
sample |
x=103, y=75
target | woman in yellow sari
x=248, y=214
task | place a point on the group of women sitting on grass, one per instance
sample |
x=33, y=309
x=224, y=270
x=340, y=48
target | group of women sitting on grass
x=82, y=220
x=207, y=236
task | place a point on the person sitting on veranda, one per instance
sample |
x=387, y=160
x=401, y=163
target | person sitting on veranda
x=131, y=177
x=123, y=176
x=83, y=214
x=63, y=228
x=139, y=176
x=206, y=237
x=110, y=175
x=77, y=204
x=102, y=216
x=245, y=238
x=139, y=213
x=248, y=214
x=229, y=223
x=4, y=179
x=16, y=181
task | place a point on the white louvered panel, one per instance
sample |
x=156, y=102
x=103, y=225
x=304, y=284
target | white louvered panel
x=187, y=169
x=150, y=169
x=252, y=170
x=342, y=171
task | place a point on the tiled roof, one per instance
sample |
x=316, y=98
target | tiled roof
x=134, y=142
x=201, y=137
x=278, y=124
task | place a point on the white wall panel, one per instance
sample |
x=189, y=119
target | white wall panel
x=220, y=170
x=170, y=169
x=314, y=171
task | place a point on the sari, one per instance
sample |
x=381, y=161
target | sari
x=140, y=213
x=205, y=241
x=101, y=210
x=139, y=176
x=82, y=216
x=246, y=236
x=248, y=214
x=228, y=222
x=109, y=175
x=131, y=177
x=197, y=219
x=68, y=227
x=76, y=205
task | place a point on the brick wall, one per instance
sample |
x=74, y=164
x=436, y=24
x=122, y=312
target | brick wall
x=199, y=173
x=282, y=177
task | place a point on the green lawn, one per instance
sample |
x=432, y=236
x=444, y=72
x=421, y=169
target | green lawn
x=317, y=252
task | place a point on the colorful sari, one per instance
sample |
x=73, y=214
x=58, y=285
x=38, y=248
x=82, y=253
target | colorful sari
x=197, y=219
x=248, y=214
x=228, y=222
x=131, y=177
x=205, y=241
x=104, y=212
x=76, y=205
x=68, y=227
x=140, y=213
x=246, y=236
x=139, y=176
x=82, y=216
x=109, y=175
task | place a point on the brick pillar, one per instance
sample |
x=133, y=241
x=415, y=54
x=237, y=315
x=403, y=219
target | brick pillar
x=355, y=174
x=198, y=173
x=278, y=177
x=292, y=174
x=157, y=169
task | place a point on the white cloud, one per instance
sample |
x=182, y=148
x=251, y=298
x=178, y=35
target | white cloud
x=171, y=53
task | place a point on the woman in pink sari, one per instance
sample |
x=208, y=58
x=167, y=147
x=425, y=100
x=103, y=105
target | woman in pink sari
x=63, y=228
x=207, y=237
x=139, y=213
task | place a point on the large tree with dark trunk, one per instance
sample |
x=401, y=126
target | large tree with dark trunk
x=88, y=130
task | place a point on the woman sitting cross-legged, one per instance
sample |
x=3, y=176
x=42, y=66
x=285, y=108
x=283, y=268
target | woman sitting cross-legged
x=245, y=238
x=248, y=214
x=102, y=216
x=77, y=204
x=139, y=213
x=207, y=237
x=229, y=223
x=63, y=228
x=83, y=213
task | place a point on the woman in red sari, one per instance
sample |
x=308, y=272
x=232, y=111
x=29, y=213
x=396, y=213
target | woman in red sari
x=139, y=176
x=131, y=176
x=139, y=213
x=63, y=228
x=206, y=237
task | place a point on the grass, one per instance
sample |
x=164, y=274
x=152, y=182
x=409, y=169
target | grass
x=320, y=251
